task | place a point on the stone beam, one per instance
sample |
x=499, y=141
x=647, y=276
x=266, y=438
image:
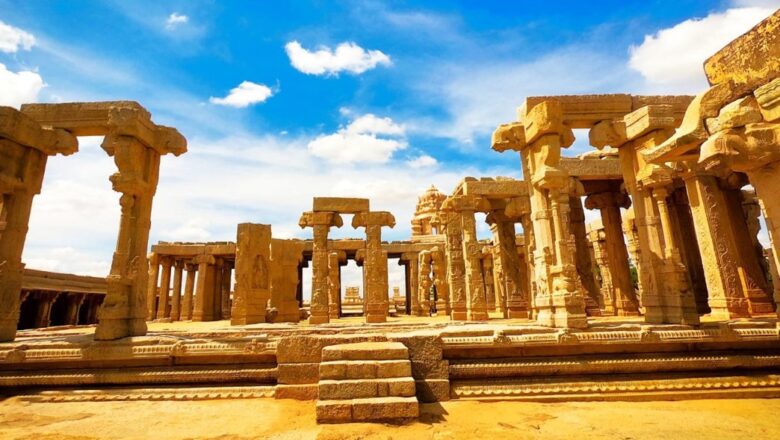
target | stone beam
x=342, y=205
x=592, y=169
x=751, y=60
x=500, y=188
x=23, y=130
x=123, y=118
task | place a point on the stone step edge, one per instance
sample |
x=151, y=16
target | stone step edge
x=343, y=411
x=370, y=379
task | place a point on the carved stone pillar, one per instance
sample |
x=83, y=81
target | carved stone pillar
x=456, y=265
x=411, y=261
x=74, y=305
x=152, y=289
x=189, y=288
x=165, y=287
x=321, y=223
x=176, y=295
x=597, y=239
x=634, y=251
x=253, y=253
x=43, y=313
x=583, y=260
x=440, y=281
x=334, y=285
x=465, y=206
x=204, y=305
x=375, y=263
x=717, y=245
x=424, y=284
x=487, y=275
x=286, y=259
x=609, y=203
x=516, y=295
x=24, y=150
x=226, y=288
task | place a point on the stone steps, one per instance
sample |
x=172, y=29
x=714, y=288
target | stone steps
x=366, y=382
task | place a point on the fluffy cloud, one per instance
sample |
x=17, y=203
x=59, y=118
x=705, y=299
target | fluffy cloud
x=423, y=161
x=246, y=94
x=672, y=58
x=12, y=39
x=348, y=57
x=175, y=19
x=17, y=88
x=359, y=142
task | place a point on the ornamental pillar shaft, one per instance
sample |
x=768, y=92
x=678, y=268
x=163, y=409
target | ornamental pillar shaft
x=165, y=287
x=176, y=298
x=189, y=288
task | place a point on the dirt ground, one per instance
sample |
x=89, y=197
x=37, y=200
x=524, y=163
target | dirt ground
x=287, y=419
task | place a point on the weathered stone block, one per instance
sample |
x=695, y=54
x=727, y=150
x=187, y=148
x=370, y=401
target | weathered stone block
x=297, y=392
x=308, y=348
x=402, y=387
x=334, y=411
x=768, y=98
x=347, y=389
x=333, y=370
x=365, y=351
x=361, y=370
x=340, y=204
x=298, y=373
x=385, y=408
x=430, y=369
x=386, y=369
x=433, y=390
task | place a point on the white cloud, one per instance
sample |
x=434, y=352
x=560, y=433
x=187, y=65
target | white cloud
x=246, y=94
x=672, y=59
x=175, y=19
x=359, y=142
x=423, y=161
x=348, y=57
x=17, y=88
x=12, y=39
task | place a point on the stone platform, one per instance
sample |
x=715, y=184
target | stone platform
x=614, y=359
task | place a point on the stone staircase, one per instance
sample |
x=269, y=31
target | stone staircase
x=366, y=382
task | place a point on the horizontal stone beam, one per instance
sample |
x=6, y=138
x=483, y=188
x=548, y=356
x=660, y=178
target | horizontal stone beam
x=62, y=282
x=592, y=169
x=341, y=205
x=24, y=130
x=750, y=60
x=498, y=189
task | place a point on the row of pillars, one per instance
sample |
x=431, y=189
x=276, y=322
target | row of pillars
x=41, y=308
x=206, y=292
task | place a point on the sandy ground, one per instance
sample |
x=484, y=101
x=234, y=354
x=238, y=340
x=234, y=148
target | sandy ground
x=286, y=419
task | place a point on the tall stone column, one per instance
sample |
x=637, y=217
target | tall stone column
x=609, y=203
x=487, y=275
x=203, y=308
x=189, y=288
x=225, y=288
x=253, y=254
x=472, y=253
x=74, y=305
x=375, y=263
x=539, y=138
x=440, y=281
x=43, y=313
x=321, y=223
x=634, y=251
x=334, y=285
x=286, y=258
x=165, y=287
x=516, y=295
x=583, y=262
x=424, y=284
x=456, y=265
x=411, y=261
x=716, y=242
x=24, y=149
x=152, y=290
x=176, y=296
x=499, y=277
x=598, y=241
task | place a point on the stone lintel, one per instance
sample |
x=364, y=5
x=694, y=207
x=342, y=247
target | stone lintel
x=592, y=169
x=342, y=205
x=373, y=218
x=204, y=259
x=193, y=249
x=21, y=129
x=123, y=118
x=581, y=111
x=752, y=59
x=311, y=219
x=458, y=203
x=499, y=189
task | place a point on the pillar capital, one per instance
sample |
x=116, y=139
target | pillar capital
x=24, y=130
x=607, y=199
x=204, y=259
x=509, y=137
x=466, y=203
x=311, y=219
x=373, y=218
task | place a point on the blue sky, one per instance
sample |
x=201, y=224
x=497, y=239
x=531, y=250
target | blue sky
x=282, y=101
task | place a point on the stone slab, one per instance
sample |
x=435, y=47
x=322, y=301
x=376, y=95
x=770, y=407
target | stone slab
x=360, y=388
x=340, y=204
x=297, y=392
x=337, y=370
x=308, y=348
x=385, y=409
x=365, y=351
x=432, y=390
x=298, y=373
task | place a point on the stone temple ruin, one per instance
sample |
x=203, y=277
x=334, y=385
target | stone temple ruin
x=668, y=295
